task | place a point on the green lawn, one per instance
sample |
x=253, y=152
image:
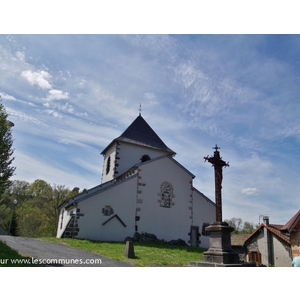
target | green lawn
x=147, y=254
x=11, y=258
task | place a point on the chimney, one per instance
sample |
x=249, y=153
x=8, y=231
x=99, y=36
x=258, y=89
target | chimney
x=266, y=220
x=268, y=248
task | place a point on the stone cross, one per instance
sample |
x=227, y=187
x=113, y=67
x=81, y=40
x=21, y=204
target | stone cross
x=218, y=164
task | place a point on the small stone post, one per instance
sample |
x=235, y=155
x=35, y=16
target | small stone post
x=129, y=250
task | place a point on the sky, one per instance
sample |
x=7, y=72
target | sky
x=69, y=96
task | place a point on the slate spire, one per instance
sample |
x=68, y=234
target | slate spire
x=140, y=133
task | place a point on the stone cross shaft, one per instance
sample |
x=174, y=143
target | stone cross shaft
x=218, y=164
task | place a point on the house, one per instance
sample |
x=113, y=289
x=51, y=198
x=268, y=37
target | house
x=269, y=245
x=292, y=228
x=143, y=189
x=237, y=245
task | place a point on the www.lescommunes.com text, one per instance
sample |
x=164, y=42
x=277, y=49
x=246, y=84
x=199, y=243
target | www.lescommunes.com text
x=50, y=261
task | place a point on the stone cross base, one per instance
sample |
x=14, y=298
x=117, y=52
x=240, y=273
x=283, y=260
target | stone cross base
x=220, y=251
x=209, y=264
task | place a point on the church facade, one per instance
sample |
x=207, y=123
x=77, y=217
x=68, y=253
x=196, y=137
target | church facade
x=143, y=189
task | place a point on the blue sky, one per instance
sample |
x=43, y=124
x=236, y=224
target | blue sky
x=70, y=95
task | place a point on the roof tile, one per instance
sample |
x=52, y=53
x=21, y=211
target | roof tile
x=291, y=223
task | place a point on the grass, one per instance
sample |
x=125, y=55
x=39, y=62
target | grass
x=147, y=254
x=11, y=258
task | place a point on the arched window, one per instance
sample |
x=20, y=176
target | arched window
x=108, y=165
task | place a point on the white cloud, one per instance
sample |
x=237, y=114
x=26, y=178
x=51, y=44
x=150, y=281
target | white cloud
x=25, y=117
x=20, y=55
x=7, y=97
x=68, y=108
x=12, y=98
x=57, y=95
x=250, y=191
x=54, y=113
x=38, y=78
x=149, y=96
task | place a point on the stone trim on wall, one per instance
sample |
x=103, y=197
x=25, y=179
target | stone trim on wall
x=139, y=198
x=72, y=228
x=117, y=159
x=191, y=202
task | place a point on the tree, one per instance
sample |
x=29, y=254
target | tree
x=6, y=150
x=240, y=227
x=31, y=220
x=38, y=214
x=235, y=223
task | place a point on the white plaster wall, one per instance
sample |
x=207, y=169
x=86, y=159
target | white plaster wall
x=261, y=245
x=121, y=198
x=110, y=152
x=130, y=155
x=281, y=254
x=204, y=211
x=64, y=218
x=165, y=223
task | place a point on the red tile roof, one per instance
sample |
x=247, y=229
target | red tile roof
x=271, y=228
x=292, y=222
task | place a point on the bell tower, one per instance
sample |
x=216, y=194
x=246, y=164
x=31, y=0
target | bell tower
x=137, y=144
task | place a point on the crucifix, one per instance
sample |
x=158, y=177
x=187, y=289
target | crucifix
x=218, y=164
x=140, y=109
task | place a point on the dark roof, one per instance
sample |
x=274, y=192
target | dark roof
x=292, y=222
x=140, y=133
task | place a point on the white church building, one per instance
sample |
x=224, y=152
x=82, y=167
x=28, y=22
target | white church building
x=143, y=189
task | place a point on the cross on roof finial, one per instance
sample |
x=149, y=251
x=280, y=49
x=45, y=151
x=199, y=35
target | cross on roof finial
x=140, y=109
x=216, y=147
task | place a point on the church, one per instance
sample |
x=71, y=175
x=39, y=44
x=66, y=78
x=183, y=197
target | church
x=143, y=189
